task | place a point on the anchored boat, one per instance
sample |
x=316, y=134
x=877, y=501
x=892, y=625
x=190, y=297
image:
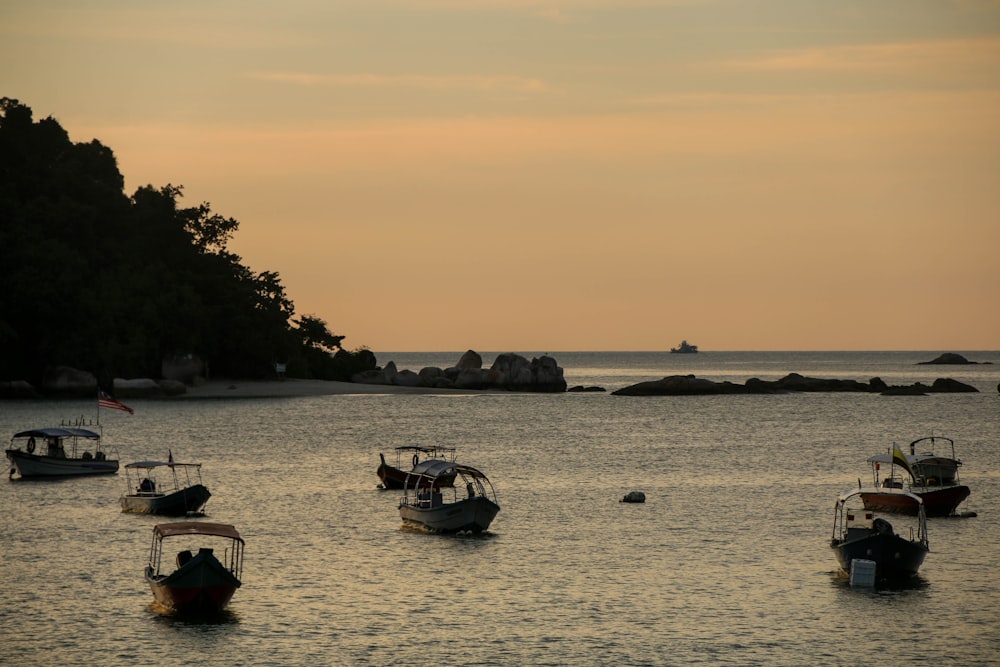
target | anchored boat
x=164, y=487
x=932, y=475
x=61, y=451
x=195, y=567
x=860, y=533
x=408, y=456
x=469, y=506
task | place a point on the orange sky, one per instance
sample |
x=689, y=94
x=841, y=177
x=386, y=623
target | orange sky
x=583, y=175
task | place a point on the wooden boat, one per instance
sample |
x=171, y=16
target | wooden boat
x=684, y=348
x=164, y=487
x=198, y=579
x=469, y=507
x=931, y=475
x=61, y=451
x=860, y=533
x=407, y=456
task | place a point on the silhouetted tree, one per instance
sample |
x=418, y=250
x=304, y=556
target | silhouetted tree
x=101, y=281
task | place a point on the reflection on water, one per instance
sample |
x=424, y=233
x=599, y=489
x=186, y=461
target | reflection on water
x=727, y=562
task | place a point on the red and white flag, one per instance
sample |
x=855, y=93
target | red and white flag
x=106, y=401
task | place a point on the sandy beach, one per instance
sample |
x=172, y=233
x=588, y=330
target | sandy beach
x=295, y=387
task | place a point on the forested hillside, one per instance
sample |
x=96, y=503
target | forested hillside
x=111, y=283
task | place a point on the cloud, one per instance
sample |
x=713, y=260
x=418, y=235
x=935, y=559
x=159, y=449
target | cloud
x=479, y=82
x=938, y=55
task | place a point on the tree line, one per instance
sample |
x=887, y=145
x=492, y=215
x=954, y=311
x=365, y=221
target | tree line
x=95, y=279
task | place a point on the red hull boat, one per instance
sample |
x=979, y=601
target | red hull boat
x=933, y=477
x=203, y=582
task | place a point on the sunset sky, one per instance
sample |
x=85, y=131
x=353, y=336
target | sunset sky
x=512, y=175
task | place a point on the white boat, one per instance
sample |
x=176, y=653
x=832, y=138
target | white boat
x=164, y=487
x=61, y=451
x=467, y=504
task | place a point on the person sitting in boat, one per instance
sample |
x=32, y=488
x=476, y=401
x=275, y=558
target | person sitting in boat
x=146, y=486
x=55, y=448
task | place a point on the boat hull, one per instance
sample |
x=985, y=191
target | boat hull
x=34, y=465
x=178, y=503
x=895, y=557
x=203, y=586
x=472, y=515
x=943, y=501
x=392, y=478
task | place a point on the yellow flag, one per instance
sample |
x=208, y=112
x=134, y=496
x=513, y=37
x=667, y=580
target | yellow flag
x=899, y=459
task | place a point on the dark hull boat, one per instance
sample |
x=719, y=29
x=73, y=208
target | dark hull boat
x=202, y=582
x=164, y=487
x=860, y=534
x=408, y=456
x=932, y=476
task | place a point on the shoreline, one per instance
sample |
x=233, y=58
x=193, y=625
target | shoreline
x=291, y=388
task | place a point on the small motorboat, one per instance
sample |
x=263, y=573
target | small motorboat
x=201, y=569
x=451, y=508
x=932, y=475
x=861, y=533
x=61, y=451
x=407, y=456
x=164, y=487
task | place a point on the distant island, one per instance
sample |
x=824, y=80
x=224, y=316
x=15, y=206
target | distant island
x=950, y=359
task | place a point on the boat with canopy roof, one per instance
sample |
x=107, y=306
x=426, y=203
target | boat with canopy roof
x=468, y=503
x=164, y=487
x=201, y=577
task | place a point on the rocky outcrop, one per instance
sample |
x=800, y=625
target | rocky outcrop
x=66, y=381
x=949, y=386
x=689, y=385
x=634, y=497
x=681, y=385
x=18, y=389
x=949, y=358
x=137, y=388
x=186, y=368
x=509, y=372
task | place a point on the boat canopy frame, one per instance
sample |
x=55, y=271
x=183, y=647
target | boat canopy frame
x=232, y=558
x=61, y=434
x=842, y=509
x=426, y=474
x=141, y=481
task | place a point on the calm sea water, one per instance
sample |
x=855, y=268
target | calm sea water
x=727, y=563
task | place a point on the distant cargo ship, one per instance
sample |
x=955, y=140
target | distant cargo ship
x=684, y=348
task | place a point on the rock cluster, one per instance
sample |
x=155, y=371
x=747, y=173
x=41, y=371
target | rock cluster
x=509, y=372
x=689, y=385
x=67, y=382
